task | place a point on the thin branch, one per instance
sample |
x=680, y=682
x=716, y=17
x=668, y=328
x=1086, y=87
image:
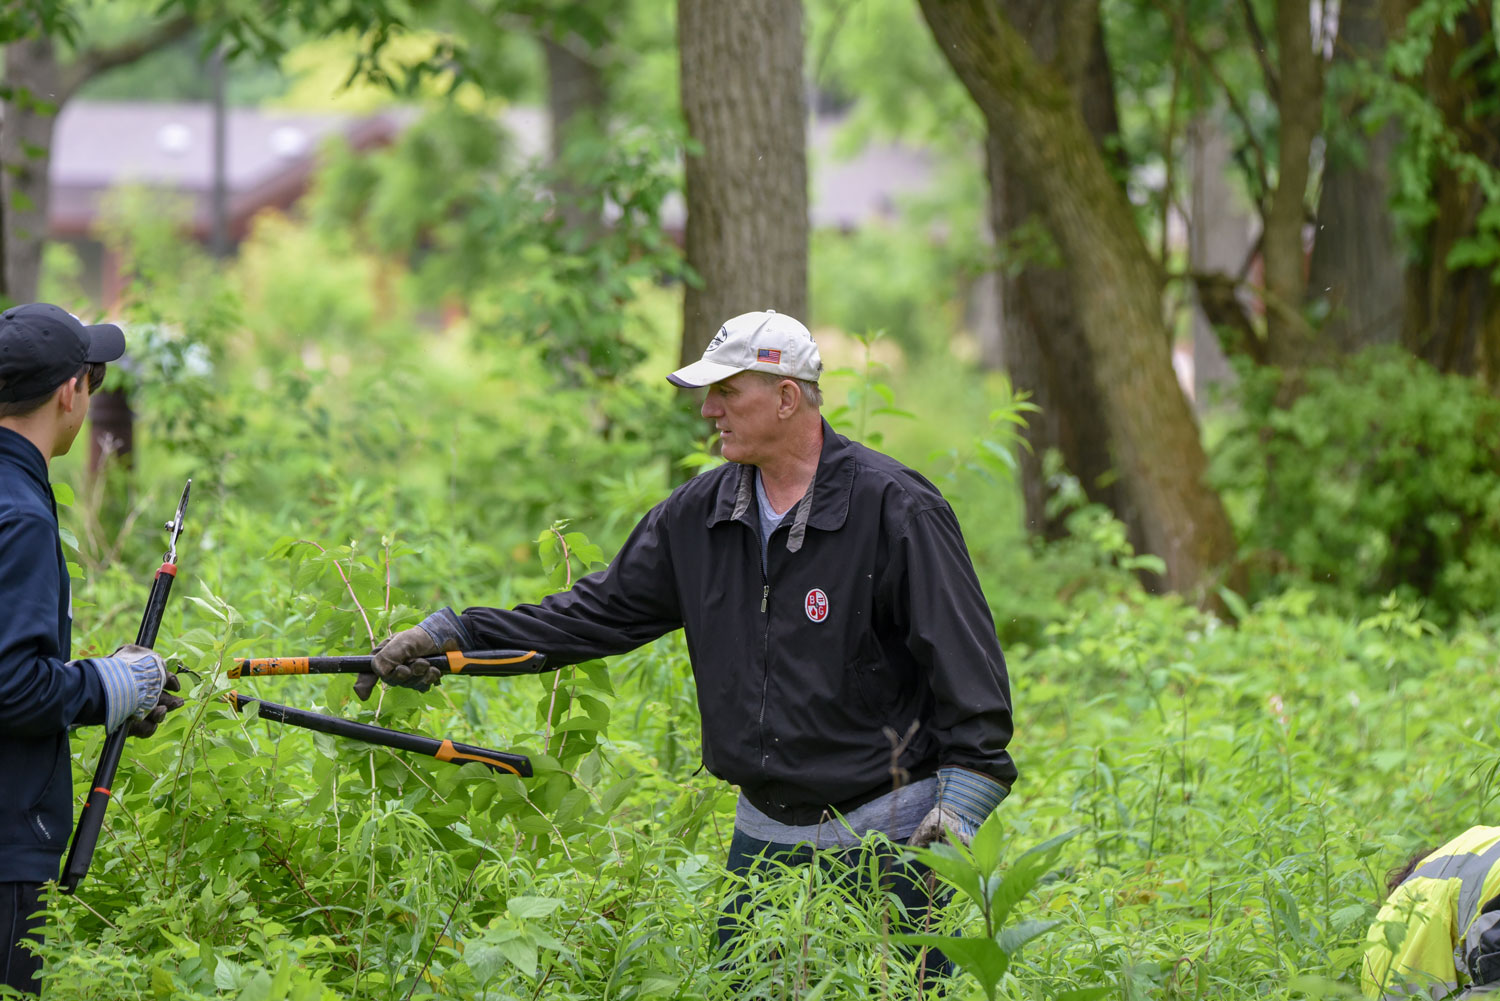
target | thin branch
x=100, y=59
x=1170, y=161
x=347, y=584
x=1262, y=54
x=1185, y=37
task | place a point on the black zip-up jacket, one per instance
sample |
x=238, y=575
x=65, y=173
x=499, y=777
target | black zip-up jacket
x=866, y=615
x=41, y=693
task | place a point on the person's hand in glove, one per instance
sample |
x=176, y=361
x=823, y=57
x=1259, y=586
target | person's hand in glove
x=401, y=661
x=137, y=688
x=965, y=798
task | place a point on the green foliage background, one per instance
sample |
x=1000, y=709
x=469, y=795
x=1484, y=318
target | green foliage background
x=1233, y=794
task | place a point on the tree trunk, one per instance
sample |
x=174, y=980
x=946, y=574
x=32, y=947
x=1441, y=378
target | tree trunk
x=1357, y=267
x=746, y=186
x=1290, y=341
x=1221, y=234
x=39, y=87
x=575, y=105
x=1043, y=342
x=34, y=81
x=1453, y=315
x=1113, y=280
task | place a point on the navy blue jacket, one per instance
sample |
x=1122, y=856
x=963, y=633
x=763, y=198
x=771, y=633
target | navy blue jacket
x=866, y=615
x=41, y=693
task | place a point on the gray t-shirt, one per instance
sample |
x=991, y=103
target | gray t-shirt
x=896, y=814
x=769, y=518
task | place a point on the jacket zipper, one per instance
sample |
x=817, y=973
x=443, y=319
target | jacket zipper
x=765, y=649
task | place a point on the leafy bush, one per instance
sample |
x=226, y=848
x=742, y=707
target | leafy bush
x=1384, y=476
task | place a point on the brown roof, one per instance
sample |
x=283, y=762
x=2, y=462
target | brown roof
x=101, y=145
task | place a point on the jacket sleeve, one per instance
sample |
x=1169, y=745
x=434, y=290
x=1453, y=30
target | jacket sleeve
x=937, y=605
x=40, y=693
x=630, y=603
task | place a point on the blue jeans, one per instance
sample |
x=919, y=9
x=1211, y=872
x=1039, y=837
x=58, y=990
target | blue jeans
x=909, y=881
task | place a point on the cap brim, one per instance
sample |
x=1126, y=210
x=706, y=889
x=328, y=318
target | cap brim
x=106, y=342
x=702, y=373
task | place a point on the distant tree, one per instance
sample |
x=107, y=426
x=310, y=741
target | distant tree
x=38, y=82
x=746, y=166
x=1357, y=277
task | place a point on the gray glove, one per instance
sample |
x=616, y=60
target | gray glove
x=134, y=679
x=965, y=798
x=145, y=726
x=400, y=659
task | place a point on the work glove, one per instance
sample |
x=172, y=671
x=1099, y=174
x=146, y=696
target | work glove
x=964, y=799
x=137, y=689
x=400, y=659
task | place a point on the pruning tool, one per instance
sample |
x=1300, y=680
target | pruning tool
x=481, y=664
x=444, y=749
x=91, y=820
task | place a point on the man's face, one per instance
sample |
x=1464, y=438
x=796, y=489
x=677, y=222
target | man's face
x=743, y=409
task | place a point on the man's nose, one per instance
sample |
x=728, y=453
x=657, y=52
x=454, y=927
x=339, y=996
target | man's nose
x=710, y=408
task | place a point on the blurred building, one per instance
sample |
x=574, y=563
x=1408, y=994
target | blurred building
x=270, y=157
x=100, y=146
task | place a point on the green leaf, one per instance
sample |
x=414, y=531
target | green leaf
x=522, y=954
x=981, y=958
x=1014, y=937
x=529, y=908
x=228, y=974
x=63, y=494
x=258, y=989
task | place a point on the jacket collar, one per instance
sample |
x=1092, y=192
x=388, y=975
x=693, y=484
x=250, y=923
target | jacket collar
x=825, y=506
x=18, y=451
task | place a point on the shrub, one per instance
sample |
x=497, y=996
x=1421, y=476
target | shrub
x=1383, y=476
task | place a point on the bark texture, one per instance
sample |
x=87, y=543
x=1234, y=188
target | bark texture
x=1114, y=281
x=1043, y=345
x=1453, y=314
x=1358, y=267
x=746, y=183
x=35, y=80
x=1298, y=88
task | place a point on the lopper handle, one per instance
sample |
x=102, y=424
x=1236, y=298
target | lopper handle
x=91, y=820
x=479, y=663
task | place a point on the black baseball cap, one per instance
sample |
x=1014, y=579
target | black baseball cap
x=42, y=346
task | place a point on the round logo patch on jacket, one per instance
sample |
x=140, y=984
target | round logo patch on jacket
x=816, y=605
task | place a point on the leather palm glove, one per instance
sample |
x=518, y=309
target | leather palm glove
x=401, y=660
x=145, y=726
x=137, y=689
x=965, y=798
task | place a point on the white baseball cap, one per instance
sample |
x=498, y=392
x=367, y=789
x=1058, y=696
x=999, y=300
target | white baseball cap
x=765, y=341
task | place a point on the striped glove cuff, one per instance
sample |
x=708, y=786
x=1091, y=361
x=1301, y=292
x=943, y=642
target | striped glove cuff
x=447, y=630
x=969, y=795
x=132, y=684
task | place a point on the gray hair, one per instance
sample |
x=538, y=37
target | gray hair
x=810, y=390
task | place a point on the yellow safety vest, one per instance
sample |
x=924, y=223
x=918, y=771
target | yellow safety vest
x=1434, y=934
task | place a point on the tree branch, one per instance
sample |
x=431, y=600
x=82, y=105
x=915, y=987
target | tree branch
x=1185, y=37
x=93, y=61
x=1218, y=298
x=1258, y=46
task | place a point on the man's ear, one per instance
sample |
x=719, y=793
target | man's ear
x=67, y=395
x=789, y=396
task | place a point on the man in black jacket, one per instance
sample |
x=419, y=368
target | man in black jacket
x=828, y=602
x=50, y=363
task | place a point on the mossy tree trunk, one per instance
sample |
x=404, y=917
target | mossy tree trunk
x=1113, y=279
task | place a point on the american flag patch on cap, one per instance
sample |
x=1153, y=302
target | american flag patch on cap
x=771, y=355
